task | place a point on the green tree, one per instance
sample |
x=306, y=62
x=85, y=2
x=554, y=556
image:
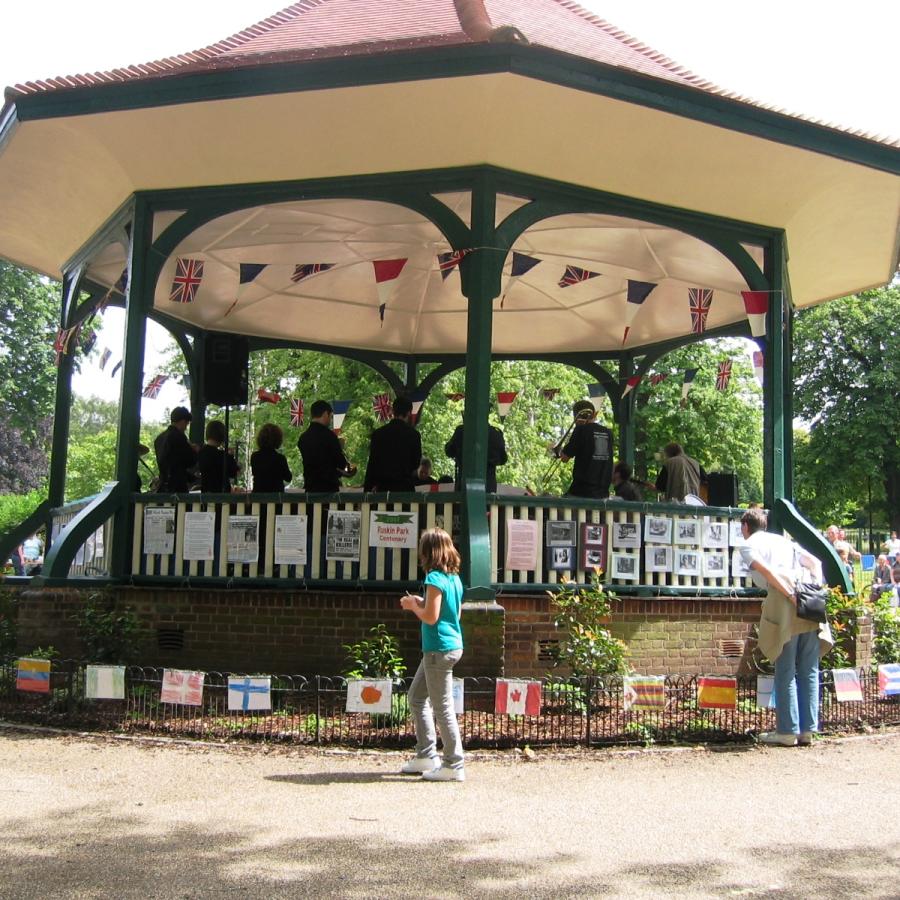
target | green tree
x=847, y=368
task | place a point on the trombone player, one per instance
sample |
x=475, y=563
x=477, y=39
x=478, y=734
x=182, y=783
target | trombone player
x=590, y=446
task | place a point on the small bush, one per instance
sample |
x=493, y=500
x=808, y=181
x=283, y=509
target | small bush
x=376, y=657
x=886, y=624
x=108, y=634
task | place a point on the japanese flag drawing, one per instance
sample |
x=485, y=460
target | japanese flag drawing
x=517, y=698
x=367, y=695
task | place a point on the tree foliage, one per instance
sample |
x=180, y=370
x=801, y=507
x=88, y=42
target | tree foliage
x=847, y=367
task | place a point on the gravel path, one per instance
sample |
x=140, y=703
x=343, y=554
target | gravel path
x=104, y=817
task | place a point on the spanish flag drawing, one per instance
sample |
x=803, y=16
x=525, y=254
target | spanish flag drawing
x=716, y=693
x=33, y=675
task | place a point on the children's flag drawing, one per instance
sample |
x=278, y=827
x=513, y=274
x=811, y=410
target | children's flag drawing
x=104, y=682
x=645, y=693
x=716, y=693
x=33, y=675
x=889, y=680
x=249, y=693
x=182, y=687
x=369, y=695
x=517, y=698
x=846, y=685
x=765, y=691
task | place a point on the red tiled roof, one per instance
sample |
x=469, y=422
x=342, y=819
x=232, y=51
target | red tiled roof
x=315, y=29
x=319, y=29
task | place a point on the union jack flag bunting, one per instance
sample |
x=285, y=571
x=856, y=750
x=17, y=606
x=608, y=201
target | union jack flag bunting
x=575, y=275
x=455, y=396
x=381, y=403
x=723, y=375
x=296, y=413
x=304, y=270
x=154, y=385
x=265, y=396
x=658, y=378
x=447, y=262
x=700, y=300
x=188, y=275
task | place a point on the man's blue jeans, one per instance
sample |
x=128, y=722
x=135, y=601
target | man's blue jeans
x=797, y=685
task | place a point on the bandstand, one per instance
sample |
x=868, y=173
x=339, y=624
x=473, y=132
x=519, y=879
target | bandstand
x=276, y=173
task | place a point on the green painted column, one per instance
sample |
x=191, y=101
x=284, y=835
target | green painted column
x=624, y=412
x=481, y=284
x=61, y=415
x=137, y=304
x=776, y=381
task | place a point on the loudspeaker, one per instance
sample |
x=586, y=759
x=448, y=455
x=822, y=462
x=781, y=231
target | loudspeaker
x=723, y=489
x=225, y=365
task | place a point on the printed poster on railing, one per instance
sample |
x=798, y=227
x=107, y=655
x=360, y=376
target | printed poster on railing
x=396, y=530
x=521, y=544
x=159, y=530
x=290, y=540
x=243, y=539
x=199, y=535
x=342, y=536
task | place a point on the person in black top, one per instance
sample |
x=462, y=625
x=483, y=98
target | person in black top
x=424, y=474
x=395, y=452
x=324, y=463
x=624, y=487
x=591, y=447
x=496, y=456
x=175, y=456
x=269, y=467
x=216, y=467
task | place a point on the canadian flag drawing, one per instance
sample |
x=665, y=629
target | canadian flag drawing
x=518, y=698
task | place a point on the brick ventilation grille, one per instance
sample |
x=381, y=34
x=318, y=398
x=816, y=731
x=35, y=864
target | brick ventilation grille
x=546, y=650
x=731, y=648
x=170, y=638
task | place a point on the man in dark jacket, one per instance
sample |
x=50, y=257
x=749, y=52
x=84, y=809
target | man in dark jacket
x=591, y=447
x=395, y=452
x=324, y=463
x=175, y=455
x=496, y=455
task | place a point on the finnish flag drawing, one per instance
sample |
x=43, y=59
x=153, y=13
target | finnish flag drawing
x=249, y=693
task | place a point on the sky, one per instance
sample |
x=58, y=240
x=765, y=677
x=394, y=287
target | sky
x=829, y=60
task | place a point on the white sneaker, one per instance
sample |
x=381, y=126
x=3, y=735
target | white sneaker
x=421, y=765
x=445, y=774
x=777, y=739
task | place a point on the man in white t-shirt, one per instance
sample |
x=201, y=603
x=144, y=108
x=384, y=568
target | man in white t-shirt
x=791, y=643
x=892, y=544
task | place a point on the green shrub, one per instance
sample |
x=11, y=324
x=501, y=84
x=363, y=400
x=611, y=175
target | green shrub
x=109, y=634
x=886, y=624
x=588, y=647
x=8, y=622
x=376, y=657
x=16, y=508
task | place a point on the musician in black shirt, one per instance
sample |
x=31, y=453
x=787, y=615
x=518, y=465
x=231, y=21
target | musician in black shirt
x=591, y=447
x=324, y=463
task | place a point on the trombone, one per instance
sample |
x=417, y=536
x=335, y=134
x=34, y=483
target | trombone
x=580, y=419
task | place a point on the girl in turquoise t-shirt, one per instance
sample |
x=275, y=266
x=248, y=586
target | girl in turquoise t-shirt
x=431, y=691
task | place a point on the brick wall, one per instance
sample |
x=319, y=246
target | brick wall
x=664, y=636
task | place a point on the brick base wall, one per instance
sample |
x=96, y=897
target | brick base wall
x=304, y=632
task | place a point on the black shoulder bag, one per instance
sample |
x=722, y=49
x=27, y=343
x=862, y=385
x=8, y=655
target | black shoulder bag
x=811, y=601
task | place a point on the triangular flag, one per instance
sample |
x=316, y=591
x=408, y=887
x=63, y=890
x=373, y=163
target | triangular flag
x=455, y=396
x=596, y=392
x=723, y=375
x=381, y=310
x=386, y=272
x=249, y=271
x=296, y=413
x=104, y=357
x=631, y=384
x=265, y=396
x=756, y=303
x=505, y=400
x=575, y=275
x=658, y=378
x=687, y=383
x=381, y=403
x=304, y=270
x=759, y=366
x=637, y=293
x=115, y=369
x=447, y=262
x=340, y=408
x=700, y=300
x=521, y=264
x=417, y=398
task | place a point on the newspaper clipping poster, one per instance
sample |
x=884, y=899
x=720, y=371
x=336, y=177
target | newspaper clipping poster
x=290, y=540
x=521, y=544
x=342, y=536
x=397, y=530
x=199, y=531
x=159, y=530
x=243, y=539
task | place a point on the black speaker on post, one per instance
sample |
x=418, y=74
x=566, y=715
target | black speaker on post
x=225, y=365
x=723, y=489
